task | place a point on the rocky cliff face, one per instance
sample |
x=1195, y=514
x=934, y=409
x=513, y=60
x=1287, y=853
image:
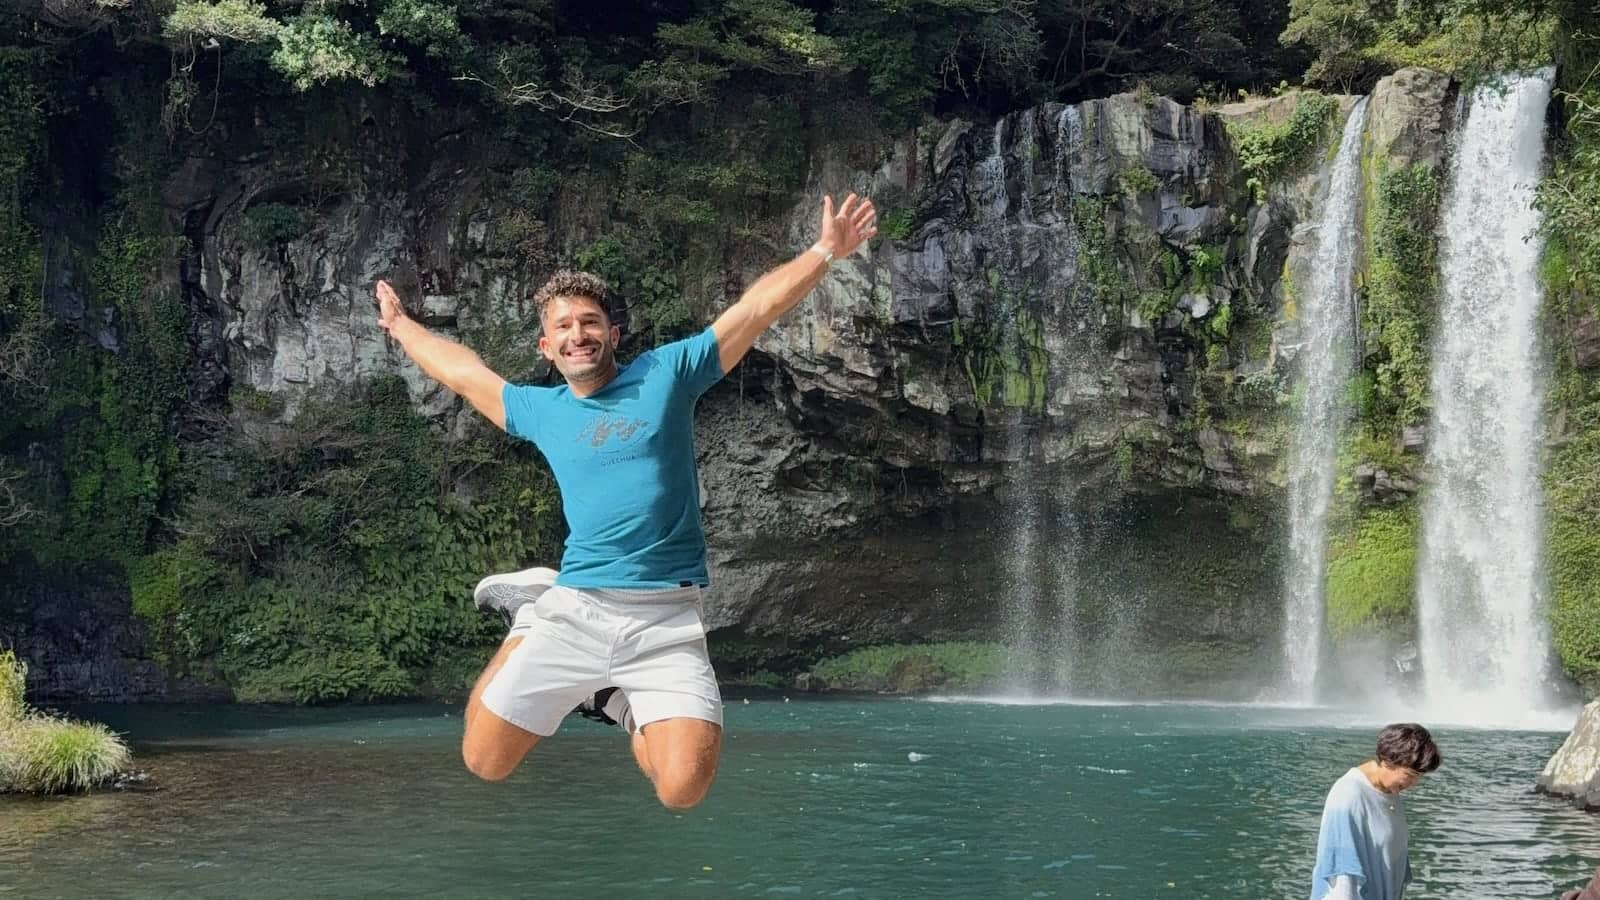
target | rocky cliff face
x=1077, y=303
x=78, y=641
x=1050, y=294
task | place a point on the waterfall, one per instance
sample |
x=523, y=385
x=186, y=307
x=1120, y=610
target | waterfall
x=1042, y=578
x=991, y=172
x=1027, y=591
x=1069, y=135
x=1483, y=640
x=1038, y=554
x=1324, y=363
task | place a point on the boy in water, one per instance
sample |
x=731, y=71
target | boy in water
x=1362, y=851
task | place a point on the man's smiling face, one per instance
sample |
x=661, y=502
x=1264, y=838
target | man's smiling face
x=580, y=341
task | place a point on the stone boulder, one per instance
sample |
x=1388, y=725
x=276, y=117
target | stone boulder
x=1409, y=118
x=1574, y=772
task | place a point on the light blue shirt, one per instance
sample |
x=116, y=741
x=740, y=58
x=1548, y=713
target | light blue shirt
x=623, y=458
x=1363, y=835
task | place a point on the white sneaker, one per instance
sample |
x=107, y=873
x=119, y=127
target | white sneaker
x=507, y=592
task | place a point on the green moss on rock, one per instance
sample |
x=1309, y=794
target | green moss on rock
x=1372, y=573
x=1401, y=285
x=917, y=668
x=1269, y=151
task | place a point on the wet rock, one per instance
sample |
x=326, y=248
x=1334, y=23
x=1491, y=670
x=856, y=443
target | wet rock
x=1574, y=771
x=1379, y=485
x=1413, y=438
x=1586, y=341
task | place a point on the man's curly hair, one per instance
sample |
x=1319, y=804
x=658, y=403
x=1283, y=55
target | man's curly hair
x=566, y=283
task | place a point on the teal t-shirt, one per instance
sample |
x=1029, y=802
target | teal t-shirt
x=623, y=458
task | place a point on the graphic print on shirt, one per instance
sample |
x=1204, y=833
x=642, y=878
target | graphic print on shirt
x=615, y=438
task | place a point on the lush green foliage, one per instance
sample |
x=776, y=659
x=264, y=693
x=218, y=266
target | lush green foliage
x=1099, y=268
x=648, y=286
x=916, y=668
x=1572, y=485
x=611, y=70
x=334, y=560
x=1401, y=288
x=896, y=225
x=1570, y=198
x=1270, y=150
x=1357, y=41
x=120, y=452
x=1372, y=573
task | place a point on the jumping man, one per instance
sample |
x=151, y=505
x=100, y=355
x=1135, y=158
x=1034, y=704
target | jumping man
x=624, y=611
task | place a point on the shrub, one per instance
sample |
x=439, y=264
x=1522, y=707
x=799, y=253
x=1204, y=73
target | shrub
x=1136, y=182
x=47, y=755
x=239, y=20
x=13, y=680
x=269, y=224
x=897, y=225
x=1268, y=151
x=331, y=560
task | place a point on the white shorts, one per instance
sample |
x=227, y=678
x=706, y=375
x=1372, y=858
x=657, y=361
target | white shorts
x=575, y=641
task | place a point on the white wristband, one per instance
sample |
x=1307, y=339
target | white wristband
x=827, y=255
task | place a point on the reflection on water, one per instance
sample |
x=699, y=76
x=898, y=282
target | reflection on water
x=835, y=798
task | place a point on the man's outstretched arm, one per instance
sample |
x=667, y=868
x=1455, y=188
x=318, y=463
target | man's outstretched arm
x=446, y=361
x=781, y=289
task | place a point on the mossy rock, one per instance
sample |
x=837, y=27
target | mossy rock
x=913, y=669
x=1371, y=570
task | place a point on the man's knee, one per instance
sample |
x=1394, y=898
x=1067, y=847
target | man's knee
x=492, y=748
x=489, y=764
x=683, y=790
x=680, y=757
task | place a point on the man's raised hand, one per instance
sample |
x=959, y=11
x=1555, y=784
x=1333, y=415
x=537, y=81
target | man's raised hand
x=389, y=309
x=843, y=231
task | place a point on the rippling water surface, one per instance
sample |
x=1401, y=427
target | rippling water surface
x=892, y=798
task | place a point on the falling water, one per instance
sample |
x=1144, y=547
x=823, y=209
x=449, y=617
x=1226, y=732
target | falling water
x=1483, y=641
x=1040, y=540
x=1027, y=594
x=1024, y=591
x=991, y=187
x=1069, y=135
x=1027, y=149
x=1324, y=363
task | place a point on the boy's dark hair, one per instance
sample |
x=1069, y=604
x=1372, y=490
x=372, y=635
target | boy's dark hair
x=566, y=283
x=1410, y=746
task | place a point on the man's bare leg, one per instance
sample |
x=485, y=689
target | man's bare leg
x=492, y=747
x=679, y=756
